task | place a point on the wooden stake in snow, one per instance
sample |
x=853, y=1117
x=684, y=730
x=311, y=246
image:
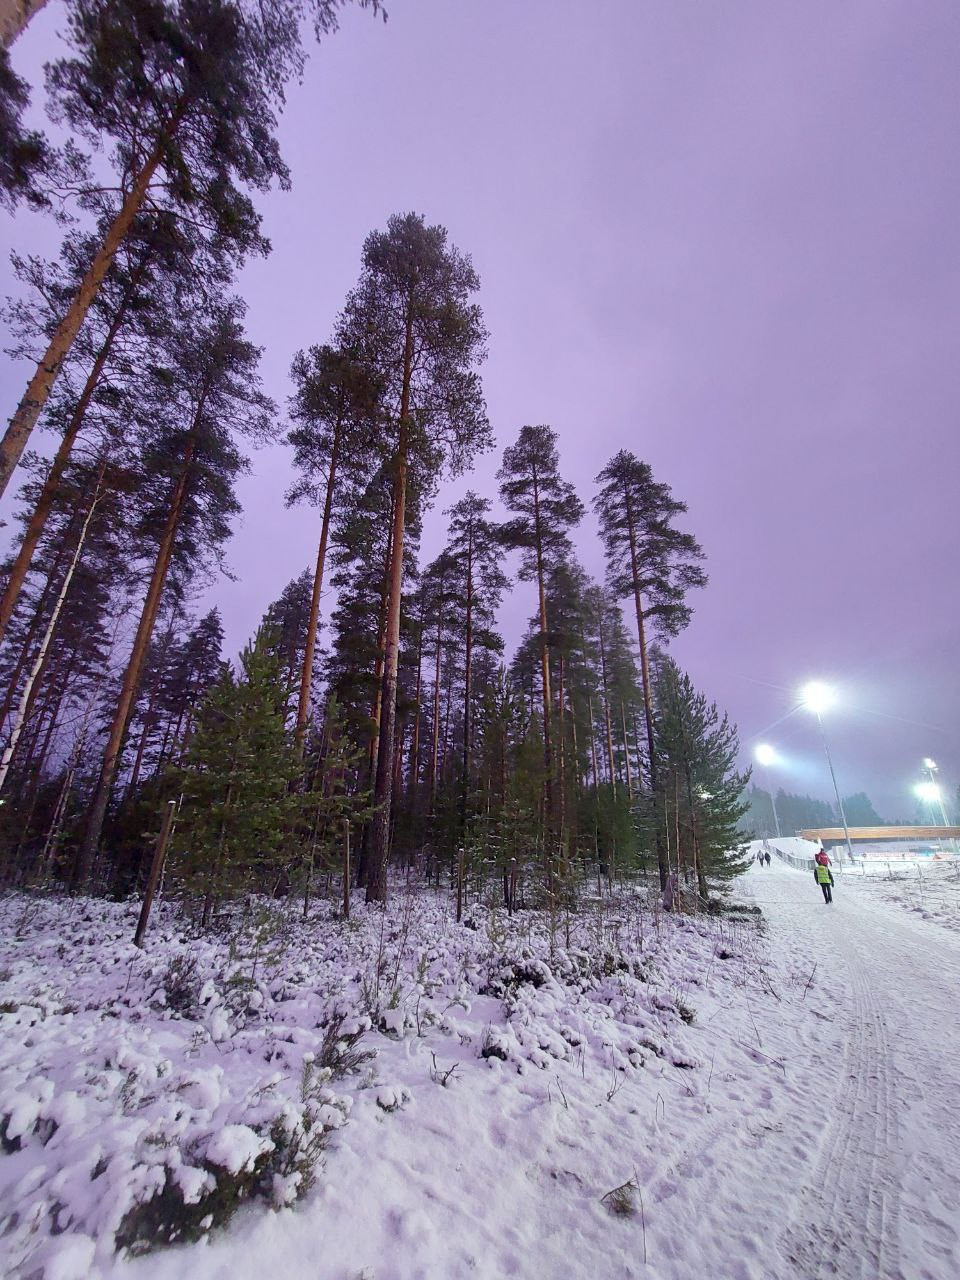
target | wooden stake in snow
x=21, y=715
x=156, y=866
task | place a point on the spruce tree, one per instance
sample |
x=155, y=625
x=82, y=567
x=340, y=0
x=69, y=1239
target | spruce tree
x=699, y=800
x=237, y=781
x=413, y=320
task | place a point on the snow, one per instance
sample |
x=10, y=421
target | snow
x=775, y=1102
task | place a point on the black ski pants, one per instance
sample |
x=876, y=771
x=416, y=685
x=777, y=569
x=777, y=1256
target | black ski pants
x=827, y=893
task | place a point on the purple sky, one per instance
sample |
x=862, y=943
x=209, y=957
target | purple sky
x=724, y=236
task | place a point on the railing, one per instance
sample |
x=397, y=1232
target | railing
x=799, y=862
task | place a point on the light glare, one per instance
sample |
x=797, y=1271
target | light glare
x=765, y=754
x=817, y=697
x=929, y=792
x=930, y=764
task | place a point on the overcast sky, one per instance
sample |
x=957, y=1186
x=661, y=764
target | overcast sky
x=721, y=235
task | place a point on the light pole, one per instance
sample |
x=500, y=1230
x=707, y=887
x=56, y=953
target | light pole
x=817, y=697
x=935, y=793
x=766, y=756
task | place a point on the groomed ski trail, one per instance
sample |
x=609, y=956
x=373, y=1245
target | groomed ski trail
x=881, y=1199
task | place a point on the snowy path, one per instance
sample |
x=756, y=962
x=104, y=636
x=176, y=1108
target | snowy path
x=789, y=1111
x=881, y=1200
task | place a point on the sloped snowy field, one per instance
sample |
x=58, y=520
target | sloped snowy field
x=518, y=1078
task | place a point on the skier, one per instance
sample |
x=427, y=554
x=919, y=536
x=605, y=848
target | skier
x=824, y=878
x=767, y=859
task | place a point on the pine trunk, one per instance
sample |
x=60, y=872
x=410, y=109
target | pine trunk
x=131, y=678
x=26, y=694
x=36, y=395
x=645, y=677
x=14, y=16
x=626, y=749
x=383, y=790
x=467, y=689
x=51, y=485
x=544, y=658
x=306, y=679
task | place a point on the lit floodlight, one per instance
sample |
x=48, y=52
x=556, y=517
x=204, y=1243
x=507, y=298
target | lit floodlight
x=928, y=792
x=765, y=754
x=817, y=697
x=929, y=765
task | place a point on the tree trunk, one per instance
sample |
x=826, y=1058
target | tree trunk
x=606, y=706
x=306, y=679
x=467, y=688
x=27, y=691
x=626, y=749
x=383, y=791
x=14, y=16
x=414, y=778
x=131, y=678
x=435, y=754
x=645, y=677
x=544, y=657
x=48, y=370
x=51, y=485
x=33, y=628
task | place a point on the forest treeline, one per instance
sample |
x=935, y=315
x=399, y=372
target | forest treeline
x=399, y=733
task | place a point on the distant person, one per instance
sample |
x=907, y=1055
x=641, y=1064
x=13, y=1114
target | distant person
x=760, y=857
x=767, y=859
x=824, y=878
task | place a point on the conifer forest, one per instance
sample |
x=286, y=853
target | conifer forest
x=394, y=722
x=433, y=926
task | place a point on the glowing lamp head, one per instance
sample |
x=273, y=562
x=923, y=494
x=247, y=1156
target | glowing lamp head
x=817, y=697
x=929, y=765
x=928, y=792
x=765, y=754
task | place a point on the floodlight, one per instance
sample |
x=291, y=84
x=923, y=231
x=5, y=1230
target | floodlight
x=765, y=754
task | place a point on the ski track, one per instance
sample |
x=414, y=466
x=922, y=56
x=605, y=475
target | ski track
x=880, y=1201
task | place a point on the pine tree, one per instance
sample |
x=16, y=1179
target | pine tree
x=24, y=153
x=412, y=319
x=162, y=271
x=545, y=507
x=652, y=561
x=474, y=549
x=334, y=405
x=186, y=92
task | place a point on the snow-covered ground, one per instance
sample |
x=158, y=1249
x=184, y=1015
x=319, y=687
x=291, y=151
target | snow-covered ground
x=803, y=1124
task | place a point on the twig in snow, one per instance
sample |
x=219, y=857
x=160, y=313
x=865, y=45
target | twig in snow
x=809, y=980
x=566, y=1105
x=643, y=1218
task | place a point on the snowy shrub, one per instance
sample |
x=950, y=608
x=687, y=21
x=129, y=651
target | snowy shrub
x=181, y=986
x=340, y=1053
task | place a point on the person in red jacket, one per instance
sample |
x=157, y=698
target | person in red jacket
x=822, y=858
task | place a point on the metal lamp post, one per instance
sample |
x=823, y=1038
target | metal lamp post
x=766, y=756
x=817, y=698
